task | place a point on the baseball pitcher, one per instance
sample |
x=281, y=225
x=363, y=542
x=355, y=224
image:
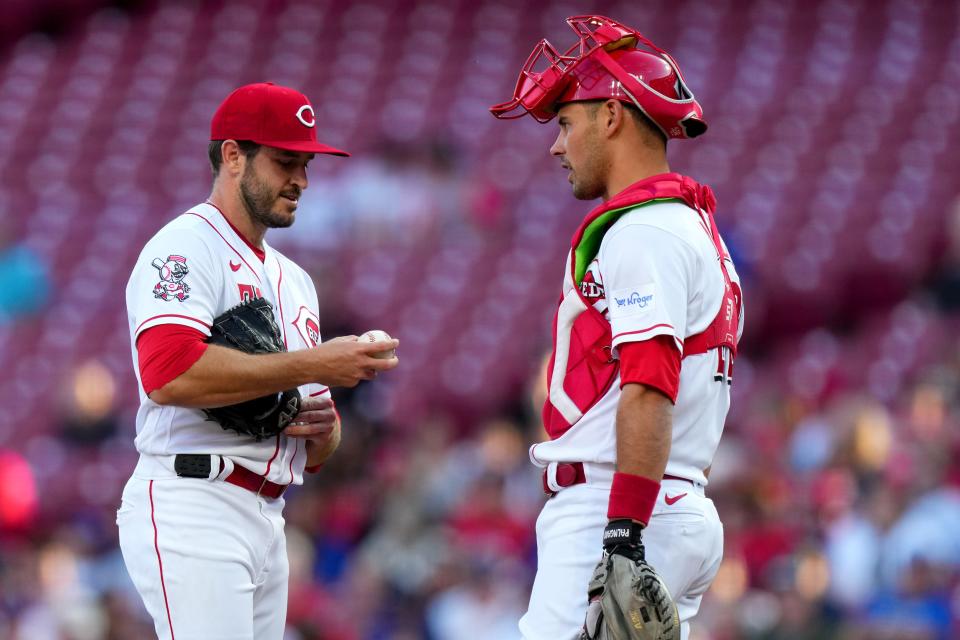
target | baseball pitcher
x=234, y=382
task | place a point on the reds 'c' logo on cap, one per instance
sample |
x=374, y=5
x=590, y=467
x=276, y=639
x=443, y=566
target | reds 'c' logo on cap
x=308, y=121
x=261, y=113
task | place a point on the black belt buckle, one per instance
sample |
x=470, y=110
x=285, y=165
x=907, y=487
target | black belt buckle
x=192, y=465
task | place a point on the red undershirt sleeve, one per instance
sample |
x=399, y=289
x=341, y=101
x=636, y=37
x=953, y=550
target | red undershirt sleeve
x=166, y=351
x=654, y=363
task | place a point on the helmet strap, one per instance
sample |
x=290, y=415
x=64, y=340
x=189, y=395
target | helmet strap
x=636, y=103
x=619, y=73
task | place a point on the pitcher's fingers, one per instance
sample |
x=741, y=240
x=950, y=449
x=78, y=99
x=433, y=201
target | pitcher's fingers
x=321, y=415
x=311, y=430
x=382, y=364
x=377, y=347
x=315, y=404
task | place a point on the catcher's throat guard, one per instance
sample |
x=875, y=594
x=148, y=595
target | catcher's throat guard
x=609, y=60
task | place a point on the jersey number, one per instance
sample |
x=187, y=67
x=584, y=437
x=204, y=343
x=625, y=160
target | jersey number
x=248, y=292
x=724, y=371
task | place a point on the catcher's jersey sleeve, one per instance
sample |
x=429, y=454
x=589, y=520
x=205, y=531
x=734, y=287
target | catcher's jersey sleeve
x=174, y=282
x=654, y=363
x=646, y=275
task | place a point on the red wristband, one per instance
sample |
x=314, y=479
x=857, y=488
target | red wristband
x=632, y=497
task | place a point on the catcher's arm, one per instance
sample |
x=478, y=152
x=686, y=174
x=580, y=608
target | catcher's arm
x=644, y=431
x=627, y=599
x=224, y=376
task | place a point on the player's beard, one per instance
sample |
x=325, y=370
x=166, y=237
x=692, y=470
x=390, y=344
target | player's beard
x=589, y=177
x=259, y=200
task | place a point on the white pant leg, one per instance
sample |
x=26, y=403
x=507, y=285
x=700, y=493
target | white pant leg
x=270, y=596
x=569, y=545
x=205, y=559
x=684, y=543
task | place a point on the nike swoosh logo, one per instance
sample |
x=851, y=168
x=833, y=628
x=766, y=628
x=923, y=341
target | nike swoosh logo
x=672, y=499
x=235, y=267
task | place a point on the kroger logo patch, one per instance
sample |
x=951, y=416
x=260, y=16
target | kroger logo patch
x=633, y=301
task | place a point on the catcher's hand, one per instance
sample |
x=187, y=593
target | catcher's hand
x=250, y=327
x=628, y=600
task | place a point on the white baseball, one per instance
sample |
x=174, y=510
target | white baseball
x=376, y=335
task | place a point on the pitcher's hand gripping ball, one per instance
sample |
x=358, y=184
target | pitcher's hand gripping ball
x=376, y=335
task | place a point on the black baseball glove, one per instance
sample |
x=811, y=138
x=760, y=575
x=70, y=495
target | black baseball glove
x=250, y=327
x=628, y=600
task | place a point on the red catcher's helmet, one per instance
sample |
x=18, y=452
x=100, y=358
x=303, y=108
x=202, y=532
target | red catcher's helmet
x=610, y=60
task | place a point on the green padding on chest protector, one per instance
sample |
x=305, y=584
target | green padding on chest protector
x=586, y=250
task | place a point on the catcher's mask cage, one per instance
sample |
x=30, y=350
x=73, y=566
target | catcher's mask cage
x=609, y=60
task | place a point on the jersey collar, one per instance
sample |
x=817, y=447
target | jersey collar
x=261, y=254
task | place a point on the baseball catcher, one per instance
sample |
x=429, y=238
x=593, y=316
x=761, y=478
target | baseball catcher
x=644, y=339
x=250, y=327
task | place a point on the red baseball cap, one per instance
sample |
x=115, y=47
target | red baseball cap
x=270, y=115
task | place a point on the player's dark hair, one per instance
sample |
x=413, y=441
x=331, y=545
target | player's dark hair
x=645, y=123
x=247, y=148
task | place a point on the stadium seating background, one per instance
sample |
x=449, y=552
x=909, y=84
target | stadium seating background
x=833, y=151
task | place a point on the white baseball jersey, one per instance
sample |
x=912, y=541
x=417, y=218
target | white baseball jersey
x=191, y=271
x=656, y=273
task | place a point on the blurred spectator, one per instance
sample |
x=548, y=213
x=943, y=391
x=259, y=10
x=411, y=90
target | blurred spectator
x=89, y=405
x=947, y=280
x=18, y=493
x=923, y=543
x=59, y=588
x=24, y=279
x=484, y=604
x=919, y=607
x=403, y=194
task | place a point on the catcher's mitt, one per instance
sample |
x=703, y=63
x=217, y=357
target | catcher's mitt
x=250, y=327
x=628, y=600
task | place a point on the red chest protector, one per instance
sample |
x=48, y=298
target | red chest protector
x=581, y=369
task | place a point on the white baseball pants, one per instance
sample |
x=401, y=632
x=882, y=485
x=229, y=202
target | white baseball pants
x=684, y=543
x=208, y=558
